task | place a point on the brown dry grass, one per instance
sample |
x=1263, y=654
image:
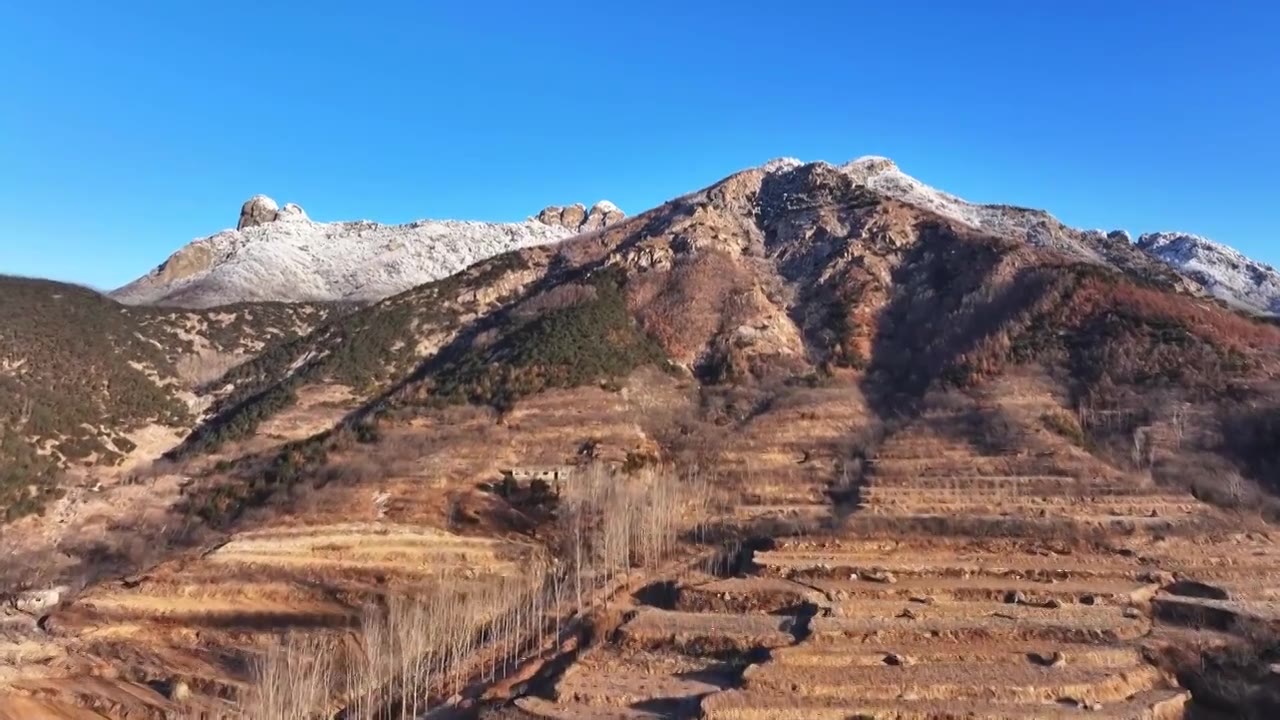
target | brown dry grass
x=416, y=649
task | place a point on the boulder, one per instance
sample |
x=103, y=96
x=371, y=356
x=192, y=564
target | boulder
x=291, y=211
x=578, y=218
x=601, y=215
x=550, y=215
x=574, y=216
x=39, y=602
x=258, y=210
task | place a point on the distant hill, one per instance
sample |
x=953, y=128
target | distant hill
x=1223, y=271
x=279, y=254
x=79, y=372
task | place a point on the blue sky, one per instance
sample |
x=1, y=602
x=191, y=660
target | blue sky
x=128, y=129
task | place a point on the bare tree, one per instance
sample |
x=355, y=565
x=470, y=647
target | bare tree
x=293, y=679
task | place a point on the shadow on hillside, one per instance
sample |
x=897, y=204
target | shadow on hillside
x=945, y=305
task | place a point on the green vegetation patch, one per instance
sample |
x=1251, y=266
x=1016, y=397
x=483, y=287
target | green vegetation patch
x=365, y=349
x=27, y=479
x=593, y=340
x=78, y=371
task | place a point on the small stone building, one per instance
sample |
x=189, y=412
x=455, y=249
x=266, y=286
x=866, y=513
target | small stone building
x=553, y=475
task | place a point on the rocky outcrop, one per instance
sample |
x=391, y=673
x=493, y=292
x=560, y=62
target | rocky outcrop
x=258, y=210
x=577, y=218
x=190, y=260
x=291, y=211
x=39, y=602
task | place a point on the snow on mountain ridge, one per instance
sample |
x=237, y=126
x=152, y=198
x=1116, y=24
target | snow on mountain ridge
x=294, y=259
x=282, y=255
x=1220, y=270
x=1224, y=271
x=883, y=176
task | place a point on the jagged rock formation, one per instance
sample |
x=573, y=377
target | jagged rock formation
x=257, y=210
x=577, y=218
x=1223, y=271
x=279, y=254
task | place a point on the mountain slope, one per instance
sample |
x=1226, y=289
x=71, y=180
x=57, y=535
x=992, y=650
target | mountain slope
x=777, y=273
x=779, y=329
x=282, y=255
x=79, y=372
x=1223, y=271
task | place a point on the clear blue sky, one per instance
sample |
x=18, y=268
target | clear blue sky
x=127, y=129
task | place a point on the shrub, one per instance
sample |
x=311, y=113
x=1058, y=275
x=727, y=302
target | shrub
x=593, y=340
x=78, y=370
x=1065, y=424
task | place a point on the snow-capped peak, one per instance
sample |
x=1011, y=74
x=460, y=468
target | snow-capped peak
x=279, y=254
x=1224, y=271
x=1034, y=226
x=781, y=164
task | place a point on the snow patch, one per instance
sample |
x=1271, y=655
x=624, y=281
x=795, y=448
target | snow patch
x=781, y=164
x=294, y=259
x=1224, y=271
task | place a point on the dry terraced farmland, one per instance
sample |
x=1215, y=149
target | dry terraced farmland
x=1020, y=581
x=201, y=619
x=953, y=579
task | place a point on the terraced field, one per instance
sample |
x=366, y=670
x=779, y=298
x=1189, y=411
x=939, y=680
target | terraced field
x=199, y=619
x=1022, y=579
x=954, y=577
x=118, y=649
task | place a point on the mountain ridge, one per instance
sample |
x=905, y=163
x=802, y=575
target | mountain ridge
x=281, y=255
x=1225, y=272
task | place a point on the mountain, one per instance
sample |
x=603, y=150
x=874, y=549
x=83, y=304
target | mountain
x=776, y=274
x=835, y=348
x=1224, y=272
x=280, y=255
x=785, y=269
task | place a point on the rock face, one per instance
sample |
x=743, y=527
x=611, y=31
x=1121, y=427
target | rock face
x=577, y=218
x=259, y=210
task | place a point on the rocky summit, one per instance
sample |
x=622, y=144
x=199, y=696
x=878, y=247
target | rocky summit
x=578, y=218
x=257, y=210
